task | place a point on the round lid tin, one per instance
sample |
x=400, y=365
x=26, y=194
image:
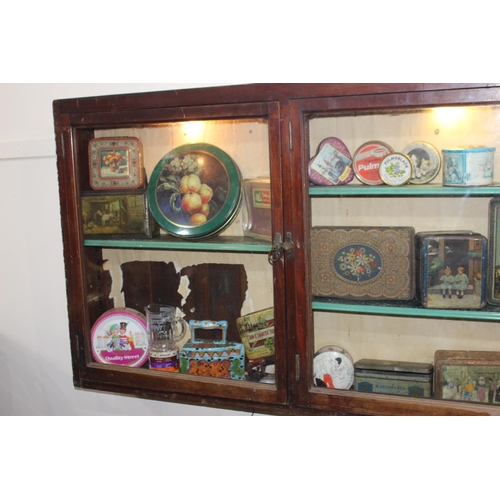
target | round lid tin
x=119, y=337
x=426, y=162
x=333, y=368
x=395, y=169
x=366, y=161
x=332, y=164
x=195, y=191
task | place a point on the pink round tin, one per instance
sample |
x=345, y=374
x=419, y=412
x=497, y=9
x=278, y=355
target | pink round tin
x=332, y=165
x=366, y=161
x=119, y=337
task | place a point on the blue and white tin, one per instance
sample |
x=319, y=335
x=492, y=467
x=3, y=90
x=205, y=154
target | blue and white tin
x=471, y=166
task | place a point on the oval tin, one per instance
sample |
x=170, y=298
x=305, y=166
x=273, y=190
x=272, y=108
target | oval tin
x=426, y=161
x=395, y=169
x=366, y=161
x=119, y=337
x=332, y=164
x=175, y=206
x=468, y=166
x=333, y=368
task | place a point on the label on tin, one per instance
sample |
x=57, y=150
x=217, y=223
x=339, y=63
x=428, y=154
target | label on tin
x=332, y=165
x=261, y=198
x=468, y=167
x=366, y=162
x=167, y=361
x=333, y=369
x=395, y=169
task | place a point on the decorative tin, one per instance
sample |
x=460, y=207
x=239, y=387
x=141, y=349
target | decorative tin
x=332, y=164
x=209, y=354
x=333, y=368
x=469, y=166
x=256, y=213
x=116, y=163
x=257, y=333
x=366, y=161
x=493, y=278
x=426, y=161
x=395, y=169
x=393, y=377
x=370, y=263
x=451, y=269
x=195, y=191
x=114, y=214
x=119, y=337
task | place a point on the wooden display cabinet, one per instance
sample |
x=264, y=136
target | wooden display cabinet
x=273, y=130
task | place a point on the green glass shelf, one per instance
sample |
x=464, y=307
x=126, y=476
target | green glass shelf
x=427, y=190
x=403, y=308
x=216, y=244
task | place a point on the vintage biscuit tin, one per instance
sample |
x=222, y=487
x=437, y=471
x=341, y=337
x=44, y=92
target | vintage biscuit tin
x=366, y=161
x=333, y=368
x=257, y=333
x=451, y=269
x=209, y=354
x=395, y=169
x=256, y=213
x=426, y=161
x=116, y=163
x=366, y=263
x=332, y=164
x=393, y=377
x=469, y=166
x=493, y=279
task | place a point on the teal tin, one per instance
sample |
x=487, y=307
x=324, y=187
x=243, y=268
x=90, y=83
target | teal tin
x=469, y=166
x=208, y=353
x=393, y=377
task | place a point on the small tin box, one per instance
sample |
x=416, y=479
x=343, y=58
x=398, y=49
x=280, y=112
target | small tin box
x=366, y=161
x=393, y=377
x=333, y=368
x=451, y=268
x=209, y=354
x=366, y=263
x=257, y=333
x=256, y=213
x=116, y=163
x=332, y=165
x=470, y=166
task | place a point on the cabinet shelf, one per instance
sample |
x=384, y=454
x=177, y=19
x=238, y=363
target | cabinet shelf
x=403, y=308
x=217, y=244
x=428, y=190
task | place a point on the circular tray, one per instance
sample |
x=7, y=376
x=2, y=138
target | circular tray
x=195, y=191
x=119, y=337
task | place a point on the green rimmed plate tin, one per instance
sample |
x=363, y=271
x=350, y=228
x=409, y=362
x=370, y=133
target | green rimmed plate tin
x=195, y=191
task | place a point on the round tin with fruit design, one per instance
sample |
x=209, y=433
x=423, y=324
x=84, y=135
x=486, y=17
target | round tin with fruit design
x=333, y=368
x=332, y=164
x=195, y=191
x=119, y=337
x=395, y=169
x=366, y=161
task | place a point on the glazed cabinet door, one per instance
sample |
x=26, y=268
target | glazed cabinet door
x=212, y=197
x=363, y=315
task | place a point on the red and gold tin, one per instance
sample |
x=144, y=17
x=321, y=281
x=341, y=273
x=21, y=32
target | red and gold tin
x=366, y=161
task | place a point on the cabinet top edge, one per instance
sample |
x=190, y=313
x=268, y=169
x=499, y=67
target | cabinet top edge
x=253, y=92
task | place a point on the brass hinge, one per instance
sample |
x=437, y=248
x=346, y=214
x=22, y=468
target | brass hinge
x=278, y=245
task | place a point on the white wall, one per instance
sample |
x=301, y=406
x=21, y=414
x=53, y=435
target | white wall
x=35, y=364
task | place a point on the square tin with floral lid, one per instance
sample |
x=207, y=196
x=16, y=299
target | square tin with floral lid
x=116, y=163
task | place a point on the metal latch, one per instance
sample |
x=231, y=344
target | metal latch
x=278, y=245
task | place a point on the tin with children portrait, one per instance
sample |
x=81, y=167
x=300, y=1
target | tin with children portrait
x=426, y=161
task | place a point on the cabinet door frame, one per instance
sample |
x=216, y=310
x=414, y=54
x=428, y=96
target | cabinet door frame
x=305, y=394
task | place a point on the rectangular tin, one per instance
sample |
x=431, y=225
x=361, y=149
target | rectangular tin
x=468, y=166
x=117, y=214
x=257, y=333
x=493, y=279
x=451, y=268
x=256, y=213
x=208, y=353
x=365, y=263
x=393, y=377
